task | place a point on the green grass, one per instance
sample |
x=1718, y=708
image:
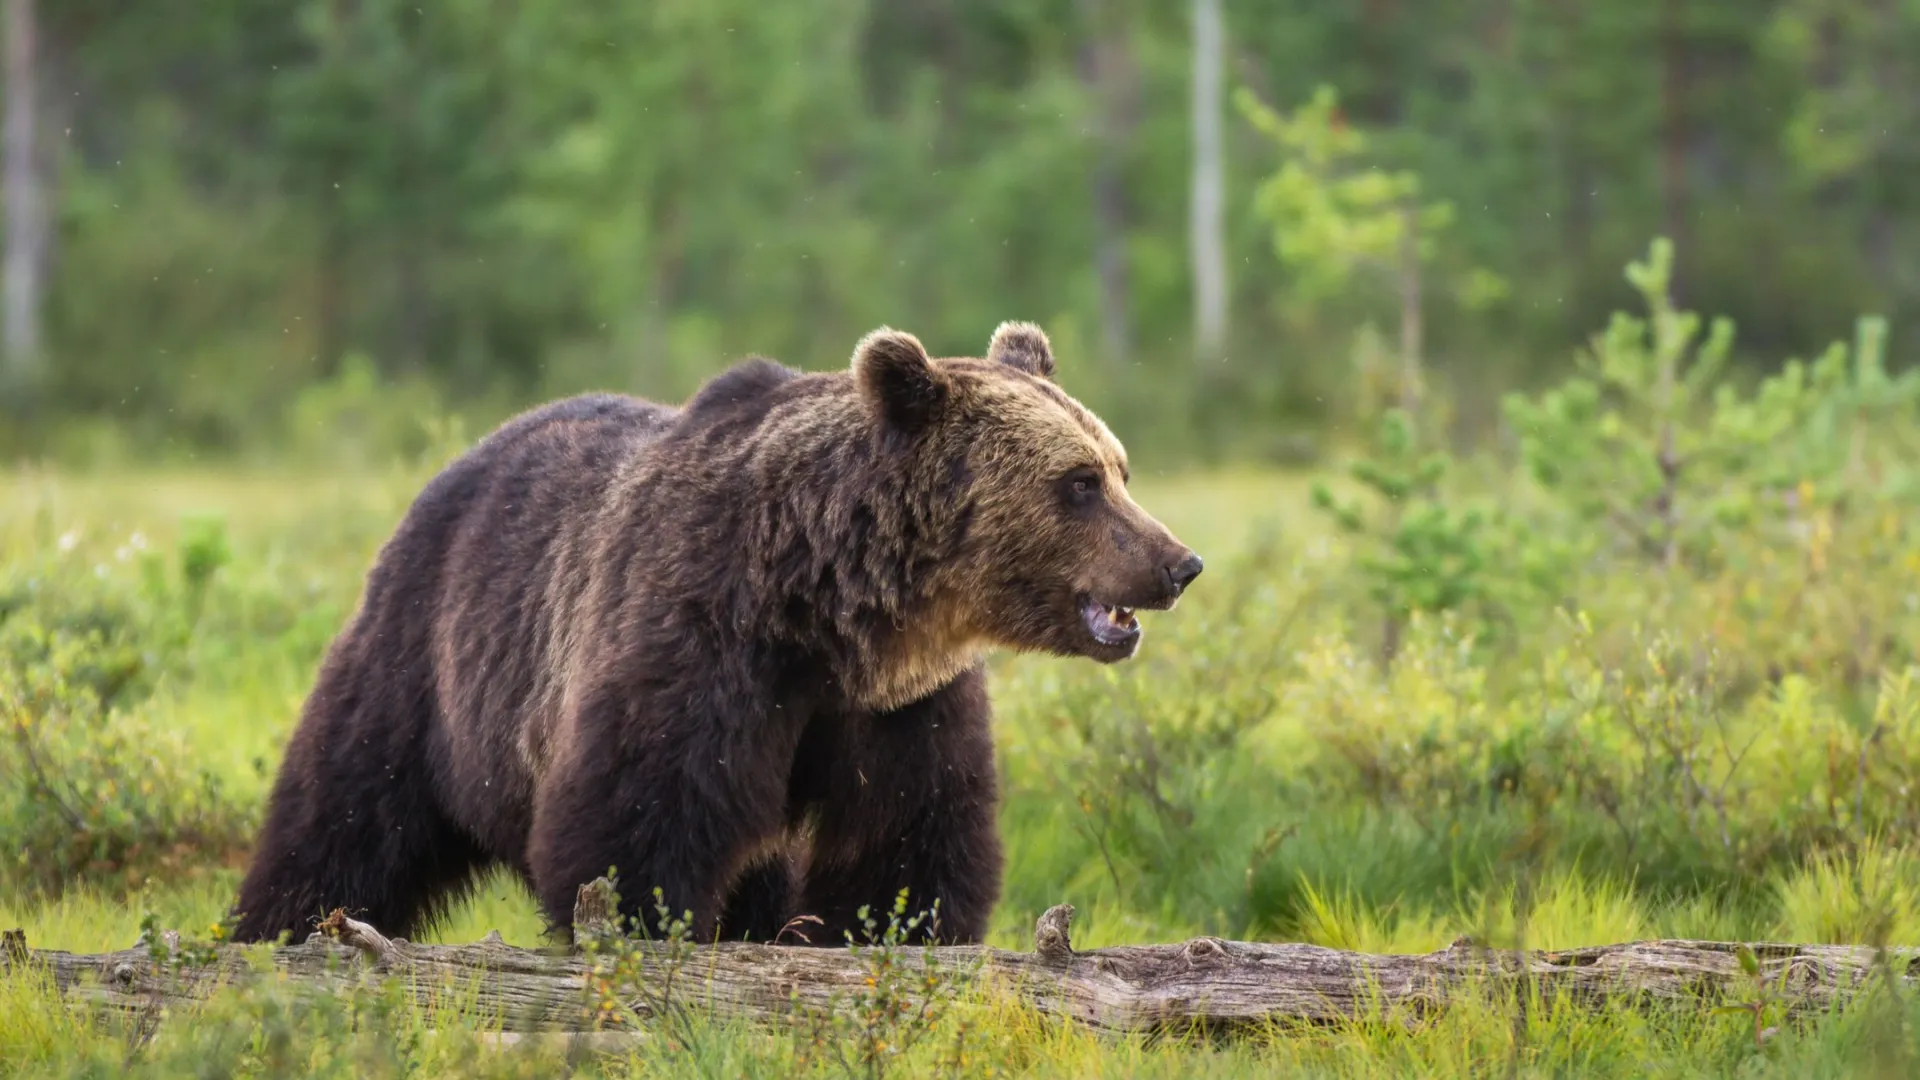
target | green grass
x=1252, y=775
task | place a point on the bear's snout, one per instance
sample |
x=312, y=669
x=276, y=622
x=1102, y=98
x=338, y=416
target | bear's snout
x=1182, y=573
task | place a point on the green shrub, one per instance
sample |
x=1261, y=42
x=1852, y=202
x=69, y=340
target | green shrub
x=1420, y=553
x=95, y=789
x=1675, y=648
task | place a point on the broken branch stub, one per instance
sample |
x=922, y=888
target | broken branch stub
x=595, y=912
x=358, y=935
x=1050, y=938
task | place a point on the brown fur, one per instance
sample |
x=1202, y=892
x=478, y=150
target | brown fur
x=679, y=642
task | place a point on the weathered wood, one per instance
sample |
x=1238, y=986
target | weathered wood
x=1206, y=982
x=358, y=935
x=593, y=911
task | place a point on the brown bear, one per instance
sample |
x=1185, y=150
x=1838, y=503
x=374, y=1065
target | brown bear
x=732, y=650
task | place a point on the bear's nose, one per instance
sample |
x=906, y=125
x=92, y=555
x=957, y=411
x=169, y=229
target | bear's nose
x=1182, y=573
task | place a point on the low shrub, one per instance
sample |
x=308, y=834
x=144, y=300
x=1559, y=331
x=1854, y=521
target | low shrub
x=95, y=788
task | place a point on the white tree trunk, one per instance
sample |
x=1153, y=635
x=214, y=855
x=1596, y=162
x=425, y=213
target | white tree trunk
x=26, y=211
x=1208, y=224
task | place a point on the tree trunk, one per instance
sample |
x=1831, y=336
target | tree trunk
x=659, y=302
x=330, y=301
x=1206, y=983
x=29, y=231
x=1107, y=69
x=1208, y=225
x=1412, y=321
x=416, y=308
x=1566, y=135
x=1674, y=135
x=1378, y=104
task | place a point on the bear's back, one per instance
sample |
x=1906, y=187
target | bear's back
x=509, y=531
x=599, y=414
x=485, y=549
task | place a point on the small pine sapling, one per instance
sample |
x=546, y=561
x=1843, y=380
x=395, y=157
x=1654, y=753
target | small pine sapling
x=1859, y=435
x=1425, y=554
x=1646, y=444
x=1336, y=214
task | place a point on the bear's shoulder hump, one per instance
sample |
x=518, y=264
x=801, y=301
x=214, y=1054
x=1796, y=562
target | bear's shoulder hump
x=743, y=385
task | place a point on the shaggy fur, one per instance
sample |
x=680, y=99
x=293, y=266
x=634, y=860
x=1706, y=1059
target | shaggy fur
x=732, y=650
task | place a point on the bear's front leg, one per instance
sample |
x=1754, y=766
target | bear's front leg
x=760, y=900
x=674, y=792
x=907, y=799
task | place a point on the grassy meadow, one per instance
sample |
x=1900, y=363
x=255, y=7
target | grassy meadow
x=1723, y=751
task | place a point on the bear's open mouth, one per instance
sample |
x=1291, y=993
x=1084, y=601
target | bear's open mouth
x=1113, y=625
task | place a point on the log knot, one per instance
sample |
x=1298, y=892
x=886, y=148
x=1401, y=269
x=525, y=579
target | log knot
x=1204, y=950
x=1050, y=936
x=13, y=946
x=1805, y=973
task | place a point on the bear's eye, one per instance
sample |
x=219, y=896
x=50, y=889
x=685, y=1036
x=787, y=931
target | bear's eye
x=1082, y=486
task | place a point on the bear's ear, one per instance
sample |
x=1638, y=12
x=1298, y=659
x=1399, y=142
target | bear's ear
x=1022, y=345
x=898, y=379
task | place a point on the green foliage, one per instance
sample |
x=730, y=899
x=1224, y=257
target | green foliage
x=635, y=977
x=1251, y=774
x=1425, y=555
x=640, y=978
x=1854, y=123
x=203, y=551
x=1856, y=441
x=171, y=953
x=275, y=1029
x=1620, y=442
x=1649, y=727
x=1332, y=210
x=1653, y=447
x=1656, y=453
x=905, y=999
x=95, y=787
x=1566, y=747
x=499, y=203
x=359, y=419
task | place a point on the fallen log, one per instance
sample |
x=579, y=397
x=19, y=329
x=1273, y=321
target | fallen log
x=1203, y=983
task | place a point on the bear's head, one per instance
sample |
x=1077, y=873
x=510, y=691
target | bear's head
x=1053, y=555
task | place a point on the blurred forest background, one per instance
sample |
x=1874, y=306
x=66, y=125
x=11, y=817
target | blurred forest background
x=1583, y=606
x=248, y=226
